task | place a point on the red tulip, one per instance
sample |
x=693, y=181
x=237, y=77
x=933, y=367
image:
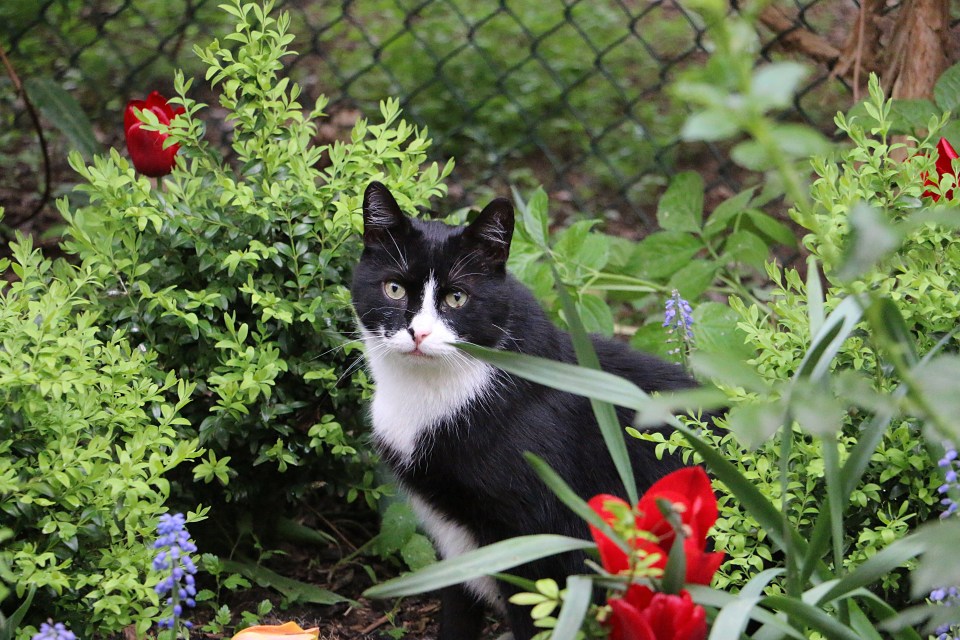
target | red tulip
x=689, y=491
x=664, y=617
x=146, y=147
x=945, y=156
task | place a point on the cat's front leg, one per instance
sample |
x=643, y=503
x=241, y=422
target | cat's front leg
x=521, y=624
x=461, y=614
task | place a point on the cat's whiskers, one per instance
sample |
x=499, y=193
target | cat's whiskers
x=460, y=263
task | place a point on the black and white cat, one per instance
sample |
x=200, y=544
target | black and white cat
x=453, y=428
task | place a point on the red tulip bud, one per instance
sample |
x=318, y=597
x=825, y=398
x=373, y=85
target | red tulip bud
x=146, y=147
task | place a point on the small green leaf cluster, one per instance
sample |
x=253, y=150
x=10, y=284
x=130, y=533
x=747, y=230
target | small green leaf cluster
x=86, y=445
x=399, y=537
x=235, y=269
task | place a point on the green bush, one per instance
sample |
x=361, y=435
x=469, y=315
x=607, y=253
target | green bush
x=236, y=270
x=899, y=488
x=85, y=444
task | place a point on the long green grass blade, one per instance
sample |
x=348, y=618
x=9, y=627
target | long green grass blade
x=476, y=564
x=598, y=385
x=811, y=616
x=733, y=618
x=610, y=427
x=776, y=627
x=575, y=606
x=891, y=557
x=574, y=502
x=827, y=342
x=767, y=515
x=815, y=310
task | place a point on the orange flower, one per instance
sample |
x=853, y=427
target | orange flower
x=285, y=631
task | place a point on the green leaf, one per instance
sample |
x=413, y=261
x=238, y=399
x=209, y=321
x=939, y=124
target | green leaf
x=812, y=617
x=709, y=126
x=576, y=602
x=815, y=408
x=652, y=338
x=746, y=248
x=560, y=375
x=728, y=210
x=681, y=206
x=720, y=599
x=827, y=342
x=755, y=423
x=663, y=253
x=893, y=556
x=734, y=617
x=937, y=382
x=569, y=497
x=610, y=427
x=292, y=590
x=947, y=89
x=910, y=116
x=533, y=215
x=64, y=113
x=800, y=141
x=815, y=302
x=888, y=324
x=596, y=314
x=723, y=369
x=750, y=154
x=871, y=239
x=478, y=563
x=418, y=552
x=695, y=278
x=715, y=330
x=398, y=524
x=774, y=85
x=773, y=229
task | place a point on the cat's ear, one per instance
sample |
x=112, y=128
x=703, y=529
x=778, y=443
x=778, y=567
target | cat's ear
x=492, y=231
x=381, y=215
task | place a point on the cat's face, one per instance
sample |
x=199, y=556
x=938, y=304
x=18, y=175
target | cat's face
x=421, y=286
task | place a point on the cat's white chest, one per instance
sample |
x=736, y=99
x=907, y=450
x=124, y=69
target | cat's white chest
x=412, y=398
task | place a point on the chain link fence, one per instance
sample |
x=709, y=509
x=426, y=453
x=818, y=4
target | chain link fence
x=567, y=93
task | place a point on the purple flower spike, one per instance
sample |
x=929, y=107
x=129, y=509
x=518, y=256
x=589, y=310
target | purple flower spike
x=948, y=596
x=51, y=631
x=173, y=559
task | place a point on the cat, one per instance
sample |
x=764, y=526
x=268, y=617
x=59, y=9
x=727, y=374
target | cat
x=454, y=429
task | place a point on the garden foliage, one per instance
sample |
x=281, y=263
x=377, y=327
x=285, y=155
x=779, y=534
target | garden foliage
x=86, y=445
x=234, y=270
x=827, y=454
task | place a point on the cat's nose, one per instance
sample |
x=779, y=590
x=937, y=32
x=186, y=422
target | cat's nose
x=418, y=335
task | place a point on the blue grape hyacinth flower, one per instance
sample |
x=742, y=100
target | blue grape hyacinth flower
x=679, y=315
x=53, y=631
x=678, y=319
x=174, y=562
x=948, y=596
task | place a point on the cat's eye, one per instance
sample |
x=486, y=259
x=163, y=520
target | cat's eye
x=455, y=299
x=394, y=290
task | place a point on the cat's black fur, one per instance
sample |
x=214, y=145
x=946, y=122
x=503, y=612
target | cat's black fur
x=470, y=467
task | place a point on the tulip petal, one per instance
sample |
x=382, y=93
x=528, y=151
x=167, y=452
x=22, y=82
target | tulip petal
x=675, y=617
x=612, y=556
x=285, y=631
x=147, y=152
x=627, y=623
x=691, y=489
